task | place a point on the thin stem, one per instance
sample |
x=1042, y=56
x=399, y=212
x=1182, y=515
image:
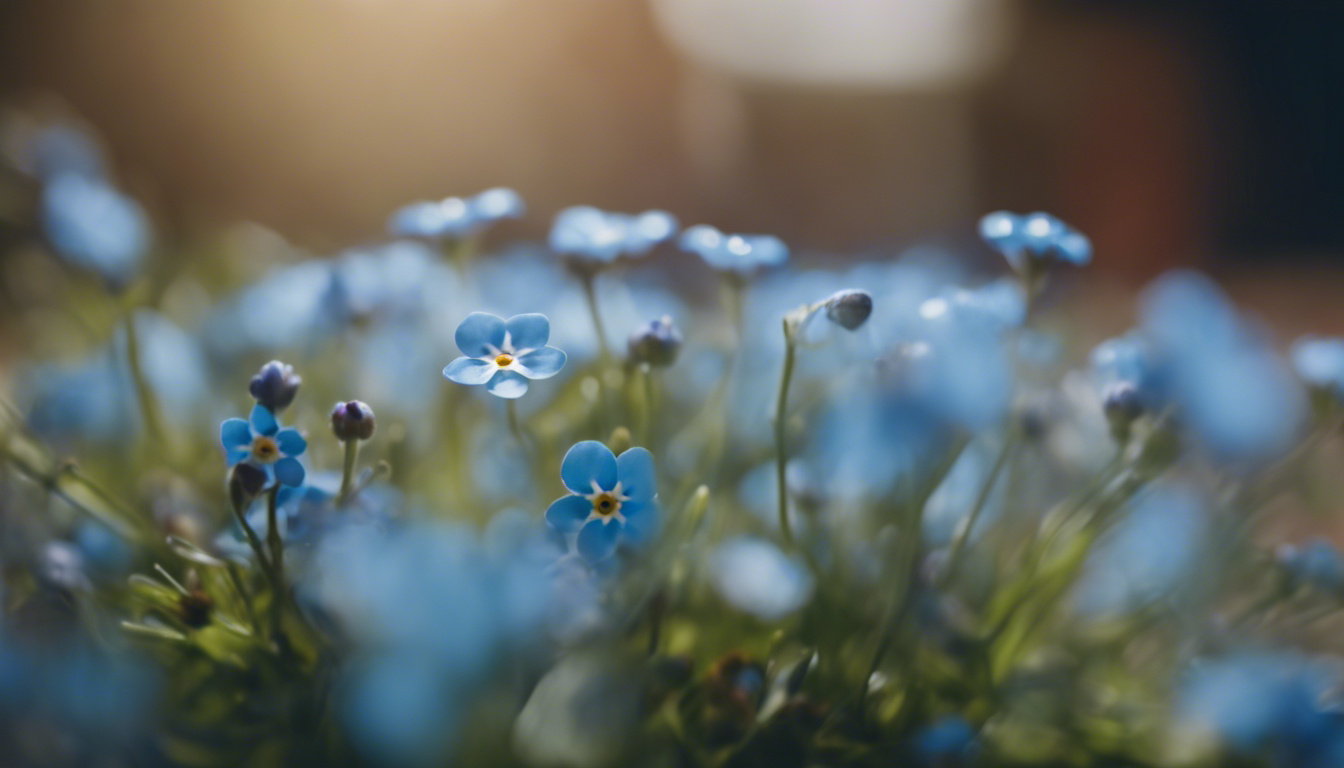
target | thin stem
x=253, y=540
x=149, y=405
x=515, y=426
x=588, y=278
x=781, y=457
x=243, y=594
x=958, y=548
x=646, y=414
x=348, y=470
x=277, y=549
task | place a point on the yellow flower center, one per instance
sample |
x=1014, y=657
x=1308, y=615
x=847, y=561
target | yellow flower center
x=606, y=504
x=264, y=449
x=503, y=359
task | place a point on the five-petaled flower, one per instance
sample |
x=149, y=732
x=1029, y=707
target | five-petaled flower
x=502, y=354
x=262, y=443
x=595, y=237
x=612, y=498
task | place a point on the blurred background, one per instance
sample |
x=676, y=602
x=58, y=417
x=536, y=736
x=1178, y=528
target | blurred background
x=1172, y=133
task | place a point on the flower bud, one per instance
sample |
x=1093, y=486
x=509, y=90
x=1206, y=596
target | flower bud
x=352, y=421
x=245, y=482
x=275, y=385
x=1122, y=404
x=656, y=343
x=849, y=308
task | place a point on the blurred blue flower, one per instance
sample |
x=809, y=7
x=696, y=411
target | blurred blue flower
x=1036, y=235
x=429, y=614
x=612, y=498
x=1318, y=562
x=755, y=576
x=1269, y=703
x=1230, y=387
x=108, y=555
x=93, y=226
x=1152, y=551
x=502, y=354
x=261, y=442
x=742, y=254
x=1319, y=362
x=61, y=148
x=945, y=742
x=598, y=237
x=1127, y=359
x=456, y=217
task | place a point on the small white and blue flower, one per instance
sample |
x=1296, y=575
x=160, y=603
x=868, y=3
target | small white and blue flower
x=612, y=499
x=504, y=354
x=1038, y=235
x=455, y=218
x=261, y=442
x=594, y=236
x=1319, y=361
x=740, y=254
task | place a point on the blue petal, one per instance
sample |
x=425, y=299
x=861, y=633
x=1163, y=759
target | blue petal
x=634, y=468
x=509, y=385
x=567, y=513
x=236, y=454
x=290, y=441
x=528, y=331
x=263, y=421
x=469, y=370
x=541, y=363
x=289, y=471
x=641, y=520
x=588, y=461
x=234, y=433
x=597, y=540
x=479, y=335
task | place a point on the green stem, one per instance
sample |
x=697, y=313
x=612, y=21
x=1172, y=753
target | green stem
x=253, y=540
x=348, y=471
x=588, y=278
x=781, y=455
x=149, y=405
x=646, y=414
x=277, y=548
x=958, y=548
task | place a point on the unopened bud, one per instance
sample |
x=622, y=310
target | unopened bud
x=352, y=420
x=275, y=385
x=656, y=343
x=849, y=308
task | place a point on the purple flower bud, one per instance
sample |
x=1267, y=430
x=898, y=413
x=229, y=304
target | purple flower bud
x=656, y=343
x=352, y=421
x=275, y=385
x=245, y=482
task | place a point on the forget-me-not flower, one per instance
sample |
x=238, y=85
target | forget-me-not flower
x=612, y=498
x=594, y=236
x=1035, y=235
x=93, y=226
x=504, y=354
x=1317, y=562
x=740, y=254
x=261, y=442
x=456, y=217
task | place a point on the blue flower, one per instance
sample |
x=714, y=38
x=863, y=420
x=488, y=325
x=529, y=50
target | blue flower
x=455, y=217
x=742, y=254
x=613, y=498
x=503, y=355
x=1038, y=235
x=948, y=742
x=592, y=235
x=753, y=575
x=1320, y=363
x=261, y=442
x=93, y=226
x=1317, y=562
